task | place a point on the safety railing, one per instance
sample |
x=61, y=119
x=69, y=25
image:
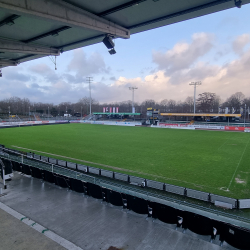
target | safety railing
x=81, y=172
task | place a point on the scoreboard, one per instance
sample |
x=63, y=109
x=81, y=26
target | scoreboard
x=152, y=115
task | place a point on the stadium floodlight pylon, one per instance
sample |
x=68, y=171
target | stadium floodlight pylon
x=195, y=84
x=89, y=80
x=133, y=96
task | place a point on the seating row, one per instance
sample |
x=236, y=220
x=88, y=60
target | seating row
x=236, y=236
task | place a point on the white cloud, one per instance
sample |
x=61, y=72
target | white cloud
x=176, y=68
x=84, y=66
x=183, y=55
x=240, y=42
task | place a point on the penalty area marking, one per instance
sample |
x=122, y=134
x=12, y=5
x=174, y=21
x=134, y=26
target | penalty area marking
x=238, y=165
x=115, y=168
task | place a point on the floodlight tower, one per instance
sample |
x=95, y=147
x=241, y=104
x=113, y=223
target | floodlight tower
x=89, y=80
x=195, y=84
x=133, y=95
x=9, y=113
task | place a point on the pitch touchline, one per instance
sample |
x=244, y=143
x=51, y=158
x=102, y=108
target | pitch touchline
x=238, y=164
x=99, y=164
x=223, y=143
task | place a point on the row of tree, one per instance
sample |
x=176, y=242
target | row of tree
x=206, y=102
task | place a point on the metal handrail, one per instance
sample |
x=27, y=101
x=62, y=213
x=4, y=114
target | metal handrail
x=140, y=193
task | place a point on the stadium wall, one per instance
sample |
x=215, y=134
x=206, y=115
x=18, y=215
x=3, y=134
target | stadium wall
x=32, y=123
x=118, y=123
x=112, y=123
x=205, y=127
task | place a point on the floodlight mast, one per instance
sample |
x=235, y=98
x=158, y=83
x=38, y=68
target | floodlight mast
x=89, y=80
x=133, y=96
x=9, y=113
x=195, y=84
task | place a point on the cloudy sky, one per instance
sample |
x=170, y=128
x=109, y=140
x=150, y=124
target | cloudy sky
x=214, y=49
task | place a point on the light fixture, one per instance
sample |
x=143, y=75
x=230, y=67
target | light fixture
x=238, y=3
x=108, y=42
x=112, y=52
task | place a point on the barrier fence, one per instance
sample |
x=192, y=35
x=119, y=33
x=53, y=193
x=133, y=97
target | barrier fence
x=138, y=181
x=212, y=198
x=199, y=219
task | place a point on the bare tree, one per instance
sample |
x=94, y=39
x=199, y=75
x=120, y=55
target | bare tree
x=164, y=104
x=206, y=101
x=235, y=101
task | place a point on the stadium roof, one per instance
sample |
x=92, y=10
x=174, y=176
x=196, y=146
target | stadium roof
x=99, y=113
x=31, y=29
x=200, y=114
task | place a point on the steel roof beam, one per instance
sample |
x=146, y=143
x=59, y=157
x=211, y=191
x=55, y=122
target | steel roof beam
x=9, y=20
x=20, y=47
x=4, y=63
x=180, y=13
x=50, y=33
x=66, y=13
x=80, y=41
x=120, y=7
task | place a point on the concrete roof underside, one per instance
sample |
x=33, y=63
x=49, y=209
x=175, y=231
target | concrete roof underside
x=31, y=29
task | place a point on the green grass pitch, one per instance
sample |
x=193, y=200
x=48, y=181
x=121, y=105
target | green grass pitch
x=211, y=161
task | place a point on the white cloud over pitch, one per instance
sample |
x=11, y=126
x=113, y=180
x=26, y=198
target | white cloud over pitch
x=173, y=70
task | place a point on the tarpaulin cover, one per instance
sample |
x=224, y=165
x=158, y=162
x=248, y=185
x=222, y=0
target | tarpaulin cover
x=49, y=177
x=26, y=169
x=76, y=185
x=165, y=213
x=235, y=236
x=197, y=223
x=137, y=205
x=60, y=181
x=95, y=191
x=114, y=198
x=36, y=173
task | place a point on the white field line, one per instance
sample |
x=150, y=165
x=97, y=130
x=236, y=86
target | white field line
x=58, y=239
x=238, y=164
x=223, y=143
x=116, y=168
